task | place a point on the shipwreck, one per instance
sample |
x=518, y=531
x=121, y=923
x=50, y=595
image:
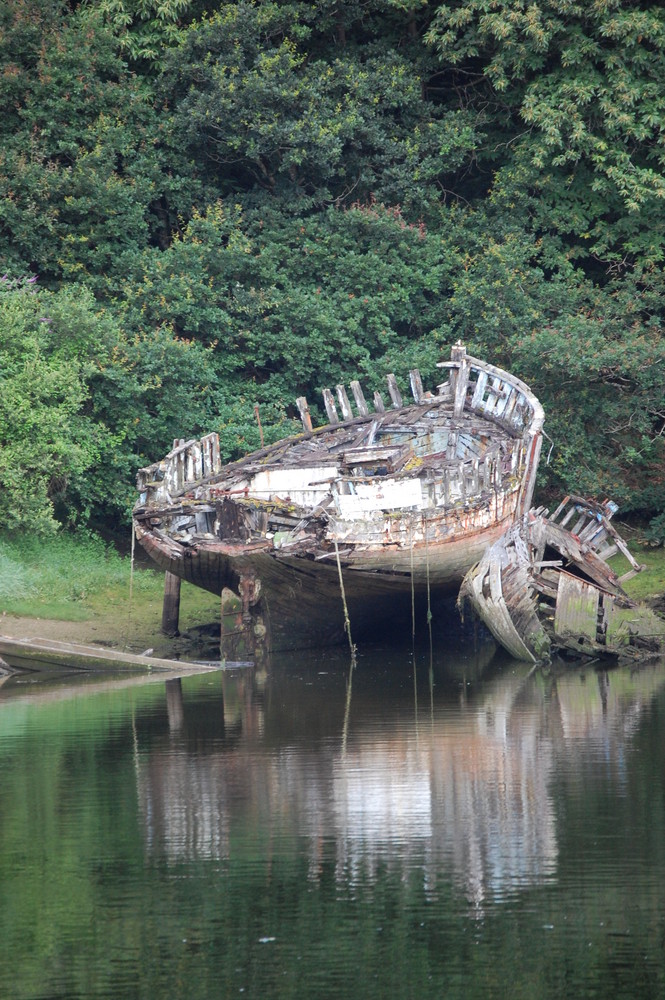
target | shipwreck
x=353, y=522
x=546, y=587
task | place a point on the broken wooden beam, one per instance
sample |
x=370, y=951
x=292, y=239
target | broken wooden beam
x=379, y=405
x=416, y=385
x=331, y=409
x=394, y=393
x=363, y=409
x=305, y=416
x=344, y=405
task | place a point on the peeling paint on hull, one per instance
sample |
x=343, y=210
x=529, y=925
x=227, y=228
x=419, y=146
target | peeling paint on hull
x=401, y=501
x=545, y=586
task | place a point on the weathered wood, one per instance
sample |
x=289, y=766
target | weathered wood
x=171, y=605
x=210, y=453
x=359, y=398
x=39, y=652
x=193, y=463
x=344, y=404
x=379, y=405
x=390, y=487
x=305, y=416
x=461, y=383
x=394, y=393
x=479, y=390
x=576, y=607
x=416, y=385
x=329, y=404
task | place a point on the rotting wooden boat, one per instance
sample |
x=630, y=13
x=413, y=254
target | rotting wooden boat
x=374, y=509
x=545, y=586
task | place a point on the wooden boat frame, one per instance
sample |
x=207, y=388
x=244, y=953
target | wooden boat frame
x=399, y=501
x=545, y=586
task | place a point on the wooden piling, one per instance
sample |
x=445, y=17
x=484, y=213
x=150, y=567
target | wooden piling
x=416, y=385
x=329, y=404
x=171, y=606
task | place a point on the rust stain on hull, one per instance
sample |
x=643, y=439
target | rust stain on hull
x=406, y=499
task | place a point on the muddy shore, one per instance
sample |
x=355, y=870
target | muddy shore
x=117, y=627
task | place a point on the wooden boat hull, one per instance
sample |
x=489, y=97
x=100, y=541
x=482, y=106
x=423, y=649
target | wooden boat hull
x=542, y=588
x=376, y=511
x=298, y=600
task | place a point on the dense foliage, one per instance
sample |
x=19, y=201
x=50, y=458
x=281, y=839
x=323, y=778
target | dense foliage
x=208, y=205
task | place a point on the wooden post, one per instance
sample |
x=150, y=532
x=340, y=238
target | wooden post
x=171, y=606
x=344, y=404
x=329, y=404
x=416, y=385
x=461, y=379
x=394, y=392
x=359, y=397
x=258, y=420
x=305, y=415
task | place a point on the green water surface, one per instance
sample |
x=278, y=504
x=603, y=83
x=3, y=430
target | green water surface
x=464, y=830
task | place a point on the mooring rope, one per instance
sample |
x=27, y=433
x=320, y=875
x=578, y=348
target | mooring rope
x=347, y=621
x=131, y=586
x=347, y=629
x=413, y=594
x=347, y=706
x=429, y=626
x=413, y=635
x=429, y=603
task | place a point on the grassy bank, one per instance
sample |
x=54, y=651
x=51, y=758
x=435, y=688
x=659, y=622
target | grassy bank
x=84, y=584
x=648, y=584
x=80, y=580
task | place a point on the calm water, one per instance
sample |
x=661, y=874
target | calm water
x=460, y=831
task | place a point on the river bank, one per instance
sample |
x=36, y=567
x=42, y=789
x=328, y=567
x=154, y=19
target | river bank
x=78, y=592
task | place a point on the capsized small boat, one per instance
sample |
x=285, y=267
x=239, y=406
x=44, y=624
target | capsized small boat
x=370, y=511
x=546, y=586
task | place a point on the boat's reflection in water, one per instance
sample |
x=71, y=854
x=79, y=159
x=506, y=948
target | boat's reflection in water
x=440, y=769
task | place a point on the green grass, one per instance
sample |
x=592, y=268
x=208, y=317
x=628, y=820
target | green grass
x=651, y=581
x=76, y=577
x=56, y=577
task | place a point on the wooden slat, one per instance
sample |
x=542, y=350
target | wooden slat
x=479, y=389
x=393, y=392
x=329, y=404
x=305, y=415
x=461, y=384
x=344, y=404
x=416, y=385
x=576, y=607
x=359, y=397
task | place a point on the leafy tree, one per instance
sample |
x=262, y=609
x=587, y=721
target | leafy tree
x=83, y=405
x=578, y=88
x=89, y=172
x=145, y=28
x=292, y=304
x=275, y=111
x=45, y=439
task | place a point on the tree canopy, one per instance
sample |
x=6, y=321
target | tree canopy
x=209, y=205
